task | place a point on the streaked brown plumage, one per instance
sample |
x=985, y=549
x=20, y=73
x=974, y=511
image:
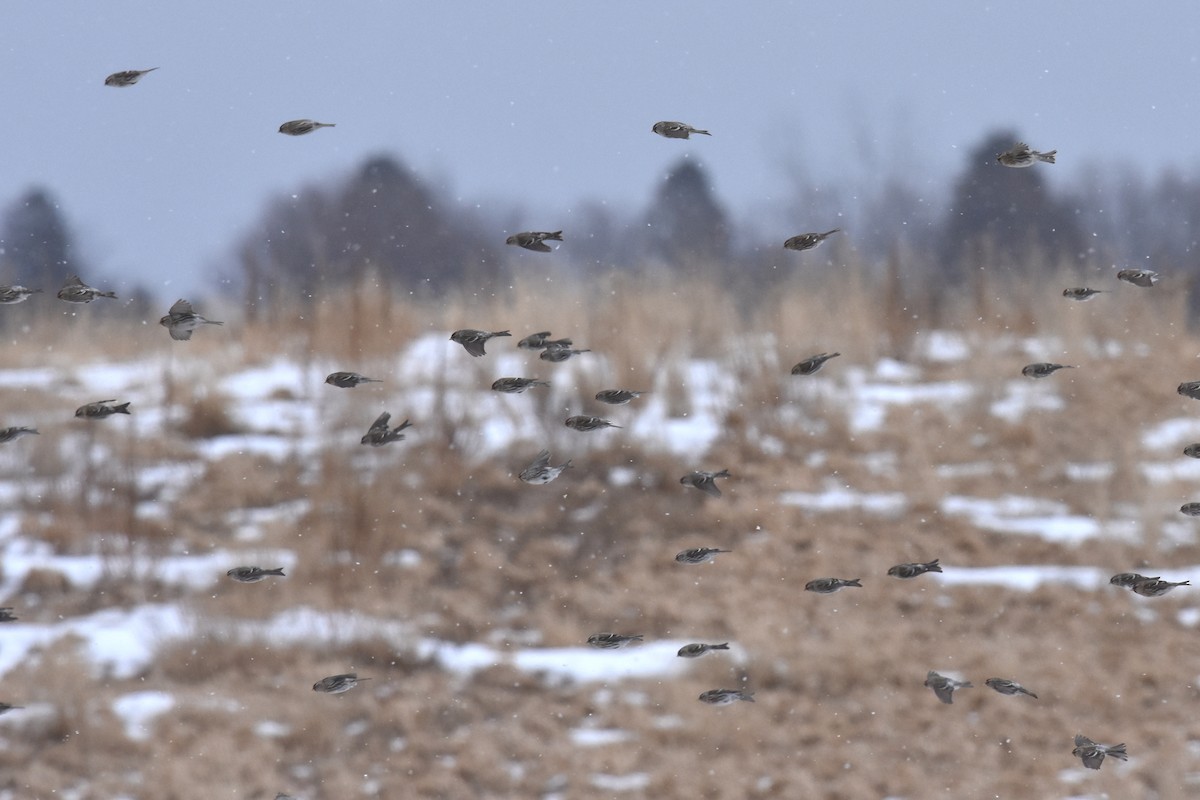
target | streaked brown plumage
x=675, y=130
x=473, y=341
x=299, y=127
x=535, y=240
x=705, y=481
x=379, y=434
x=127, y=77
x=807, y=241
x=1021, y=155
x=76, y=291
x=944, y=687
x=101, y=409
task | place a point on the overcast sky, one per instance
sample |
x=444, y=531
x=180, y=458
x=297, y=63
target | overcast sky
x=543, y=104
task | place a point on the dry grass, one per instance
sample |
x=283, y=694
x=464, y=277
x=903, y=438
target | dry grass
x=840, y=711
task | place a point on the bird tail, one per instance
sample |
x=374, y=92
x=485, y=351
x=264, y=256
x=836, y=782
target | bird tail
x=334, y=125
x=113, y=295
x=402, y=426
x=933, y=566
x=853, y=582
x=121, y=409
x=747, y=696
x=568, y=465
x=722, y=474
x=555, y=236
x=831, y=233
x=278, y=572
x=1047, y=157
x=697, y=130
x=213, y=322
x=722, y=646
x=637, y=637
x=501, y=333
x=1117, y=751
x=1184, y=583
x=540, y=383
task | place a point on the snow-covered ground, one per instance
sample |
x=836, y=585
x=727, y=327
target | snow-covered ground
x=284, y=408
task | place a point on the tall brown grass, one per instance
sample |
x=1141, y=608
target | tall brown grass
x=839, y=711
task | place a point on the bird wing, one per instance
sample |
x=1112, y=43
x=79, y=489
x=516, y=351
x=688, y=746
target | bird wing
x=180, y=333
x=475, y=347
x=537, y=245
x=381, y=422
x=181, y=307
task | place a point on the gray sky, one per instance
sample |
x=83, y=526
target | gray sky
x=543, y=104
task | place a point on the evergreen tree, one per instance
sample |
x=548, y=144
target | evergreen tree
x=37, y=247
x=685, y=223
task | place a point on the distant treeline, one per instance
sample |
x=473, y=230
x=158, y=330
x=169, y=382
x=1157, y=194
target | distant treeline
x=384, y=223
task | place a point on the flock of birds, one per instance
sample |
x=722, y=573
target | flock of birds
x=182, y=320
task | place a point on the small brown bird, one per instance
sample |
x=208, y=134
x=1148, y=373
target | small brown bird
x=618, y=397
x=10, y=295
x=473, y=340
x=612, y=641
x=582, y=422
x=1189, y=389
x=516, y=385
x=540, y=340
x=535, y=240
x=705, y=481
x=336, y=684
x=1081, y=293
x=699, y=555
x=1192, y=450
x=299, y=127
x=379, y=434
x=127, y=77
x=101, y=409
x=1093, y=754
x=6, y=614
x=1042, y=369
x=830, y=585
x=907, y=571
x=725, y=697
x=1190, y=509
x=807, y=241
x=539, y=473
x=8, y=434
x=1126, y=580
x=182, y=319
x=556, y=354
x=348, y=380
x=1020, y=155
x=810, y=365
x=76, y=291
x=944, y=687
x=1155, y=587
x=675, y=130
x=253, y=574
x=1005, y=686
x=1138, y=277
x=698, y=649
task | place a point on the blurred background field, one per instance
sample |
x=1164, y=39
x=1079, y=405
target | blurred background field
x=466, y=595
